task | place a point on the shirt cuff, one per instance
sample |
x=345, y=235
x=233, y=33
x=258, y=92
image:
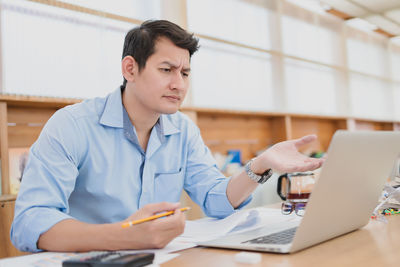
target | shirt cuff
x=217, y=204
x=36, y=221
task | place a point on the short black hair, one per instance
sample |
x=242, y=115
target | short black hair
x=140, y=41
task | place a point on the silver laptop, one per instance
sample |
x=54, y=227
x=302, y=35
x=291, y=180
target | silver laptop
x=343, y=198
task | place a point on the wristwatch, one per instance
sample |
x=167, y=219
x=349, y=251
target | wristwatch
x=255, y=177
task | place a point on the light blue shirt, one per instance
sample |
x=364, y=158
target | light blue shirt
x=87, y=164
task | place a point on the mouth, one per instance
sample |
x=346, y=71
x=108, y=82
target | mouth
x=173, y=98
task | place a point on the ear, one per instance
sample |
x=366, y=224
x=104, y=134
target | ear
x=129, y=68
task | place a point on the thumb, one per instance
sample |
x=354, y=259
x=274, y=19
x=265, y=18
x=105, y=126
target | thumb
x=305, y=140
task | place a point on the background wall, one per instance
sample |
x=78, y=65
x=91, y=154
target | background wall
x=255, y=55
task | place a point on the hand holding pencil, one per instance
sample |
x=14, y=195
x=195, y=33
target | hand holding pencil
x=148, y=230
x=150, y=218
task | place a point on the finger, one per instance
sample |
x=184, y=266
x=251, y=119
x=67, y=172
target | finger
x=311, y=165
x=162, y=231
x=161, y=207
x=308, y=164
x=305, y=140
x=177, y=213
x=318, y=160
x=172, y=222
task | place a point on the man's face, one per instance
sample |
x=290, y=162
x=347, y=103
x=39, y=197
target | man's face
x=162, y=84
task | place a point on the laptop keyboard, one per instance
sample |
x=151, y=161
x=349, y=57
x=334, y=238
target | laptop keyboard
x=283, y=237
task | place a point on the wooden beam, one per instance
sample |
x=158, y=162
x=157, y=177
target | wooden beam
x=37, y=101
x=339, y=14
x=389, y=35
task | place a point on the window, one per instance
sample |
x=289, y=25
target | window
x=370, y=98
x=311, y=36
x=367, y=54
x=225, y=76
x=50, y=51
x=233, y=20
x=310, y=88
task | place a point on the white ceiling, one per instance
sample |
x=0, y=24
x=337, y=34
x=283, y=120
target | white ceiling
x=385, y=14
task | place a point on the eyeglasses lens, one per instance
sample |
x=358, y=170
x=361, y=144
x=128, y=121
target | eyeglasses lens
x=300, y=208
x=287, y=208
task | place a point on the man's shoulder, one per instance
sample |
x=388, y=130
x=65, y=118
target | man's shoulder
x=69, y=117
x=87, y=108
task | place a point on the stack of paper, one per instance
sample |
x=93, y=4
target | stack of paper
x=208, y=228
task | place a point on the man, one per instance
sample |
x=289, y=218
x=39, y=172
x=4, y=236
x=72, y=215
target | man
x=129, y=155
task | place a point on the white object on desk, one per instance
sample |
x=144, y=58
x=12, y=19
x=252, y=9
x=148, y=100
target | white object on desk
x=248, y=257
x=210, y=228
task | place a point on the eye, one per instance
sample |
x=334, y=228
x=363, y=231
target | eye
x=185, y=74
x=167, y=70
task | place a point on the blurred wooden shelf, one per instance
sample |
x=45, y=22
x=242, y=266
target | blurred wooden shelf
x=21, y=121
x=251, y=132
x=23, y=117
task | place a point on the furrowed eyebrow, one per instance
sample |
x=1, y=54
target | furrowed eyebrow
x=175, y=66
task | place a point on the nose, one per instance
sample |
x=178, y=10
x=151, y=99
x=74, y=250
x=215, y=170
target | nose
x=178, y=82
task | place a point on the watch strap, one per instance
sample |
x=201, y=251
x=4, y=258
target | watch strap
x=256, y=177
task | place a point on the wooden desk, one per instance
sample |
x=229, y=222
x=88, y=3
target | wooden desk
x=377, y=244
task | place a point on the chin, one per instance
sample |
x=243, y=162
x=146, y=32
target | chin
x=169, y=110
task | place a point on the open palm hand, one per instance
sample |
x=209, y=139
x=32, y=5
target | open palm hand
x=285, y=157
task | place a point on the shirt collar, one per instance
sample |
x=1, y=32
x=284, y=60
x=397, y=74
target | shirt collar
x=113, y=115
x=113, y=110
x=166, y=125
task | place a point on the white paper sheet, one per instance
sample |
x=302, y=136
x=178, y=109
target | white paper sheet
x=208, y=228
x=173, y=246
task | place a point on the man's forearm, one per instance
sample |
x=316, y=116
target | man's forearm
x=241, y=186
x=239, y=189
x=73, y=235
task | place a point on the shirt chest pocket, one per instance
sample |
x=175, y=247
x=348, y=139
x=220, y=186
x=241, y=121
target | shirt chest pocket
x=169, y=184
x=172, y=171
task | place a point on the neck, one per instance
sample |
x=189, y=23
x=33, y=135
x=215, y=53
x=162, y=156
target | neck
x=140, y=117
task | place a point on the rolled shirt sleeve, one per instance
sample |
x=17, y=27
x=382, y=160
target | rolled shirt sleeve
x=204, y=183
x=48, y=180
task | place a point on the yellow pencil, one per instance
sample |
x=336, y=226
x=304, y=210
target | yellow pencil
x=128, y=224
